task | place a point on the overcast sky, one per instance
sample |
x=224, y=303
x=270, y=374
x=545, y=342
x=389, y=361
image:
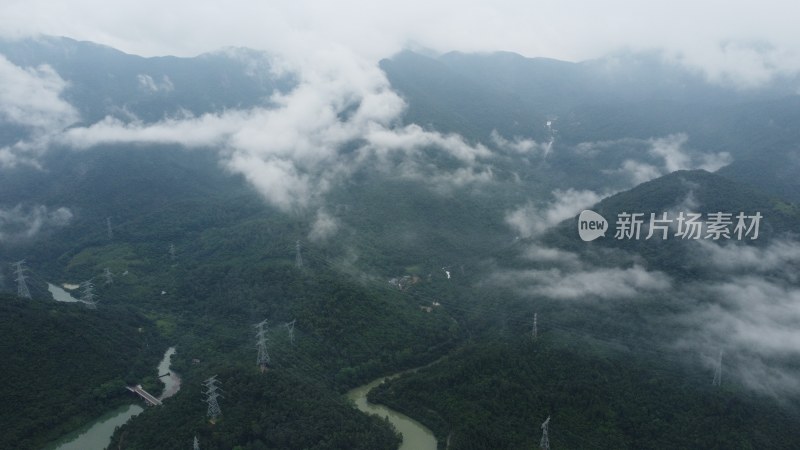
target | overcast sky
x=564, y=29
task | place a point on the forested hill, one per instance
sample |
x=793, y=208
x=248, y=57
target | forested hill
x=426, y=213
x=65, y=365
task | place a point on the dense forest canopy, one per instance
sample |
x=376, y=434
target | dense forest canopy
x=425, y=221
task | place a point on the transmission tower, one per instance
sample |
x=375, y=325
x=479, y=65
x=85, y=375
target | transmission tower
x=109, y=277
x=290, y=328
x=22, y=286
x=263, y=359
x=108, y=226
x=172, y=251
x=196, y=444
x=87, y=295
x=298, y=258
x=535, y=329
x=544, y=444
x=212, y=394
x=718, y=371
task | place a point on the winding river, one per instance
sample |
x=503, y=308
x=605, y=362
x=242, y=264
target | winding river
x=415, y=435
x=97, y=435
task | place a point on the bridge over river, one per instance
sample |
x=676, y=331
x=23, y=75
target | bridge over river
x=152, y=401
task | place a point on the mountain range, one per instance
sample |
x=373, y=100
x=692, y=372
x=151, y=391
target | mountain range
x=290, y=193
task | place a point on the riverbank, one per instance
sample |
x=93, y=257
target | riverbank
x=415, y=435
x=96, y=435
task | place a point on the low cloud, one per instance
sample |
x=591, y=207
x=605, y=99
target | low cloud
x=324, y=227
x=539, y=253
x=341, y=115
x=603, y=283
x=743, y=64
x=520, y=145
x=672, y=150
x=778, y=256
x=22, y=223
x=31, y=98
x=533, y=220
x=662, y=155
x=750, y=311
x=148, y=84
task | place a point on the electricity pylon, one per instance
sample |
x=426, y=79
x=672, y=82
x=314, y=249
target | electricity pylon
x=87, y=294
x=108, y=227
x=172, y=254
x=544, y=444
x=22, y=286
x=108, y=275
x=298, y=258
x=212, y=393
x=263, y=359
x=196, y=444
x=290, y=328
x=718, y=371
x=535, y=329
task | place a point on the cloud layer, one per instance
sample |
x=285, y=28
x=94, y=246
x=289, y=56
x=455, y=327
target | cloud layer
x=745, y=43
x=584, y=283
x=532, y=220
x=342, y=114
x=31, y=99
x=21, y=223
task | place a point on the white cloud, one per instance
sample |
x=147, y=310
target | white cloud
x=751, y=310
x=672, y=152
x=778, y=255
x=147, y=84
x=31, y=98
x=324, y=227
x=603, y=283
x=745, y=43
x=640, y=172
x=532, y=220
x=21, y=223
x=520, y=145
x=538, y=253
x=294, y=152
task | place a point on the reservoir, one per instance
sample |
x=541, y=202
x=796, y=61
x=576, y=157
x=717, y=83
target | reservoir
x=60, y=295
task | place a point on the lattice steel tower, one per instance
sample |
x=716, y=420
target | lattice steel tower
x=212, y=394
x=544, y=444
x=718, y=371
x=298, y=258
x=263, y=359
x=22, y=285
